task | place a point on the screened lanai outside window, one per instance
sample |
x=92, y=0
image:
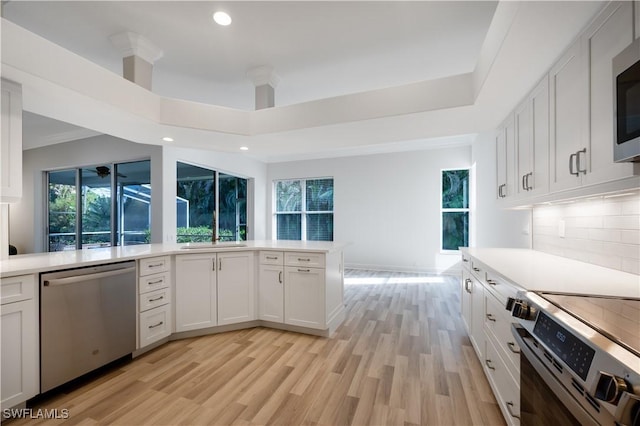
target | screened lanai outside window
x=99, y=206
x=455, y=209
x=304, y=209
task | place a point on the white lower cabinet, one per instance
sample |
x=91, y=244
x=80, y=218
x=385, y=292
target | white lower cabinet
x=196, y=291
x=488, y=323
x=271, y=287
x=304, y=296
x=236, y=287
x=154, y=300
x=19, y=340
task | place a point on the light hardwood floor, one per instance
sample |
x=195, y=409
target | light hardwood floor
x=400, y=358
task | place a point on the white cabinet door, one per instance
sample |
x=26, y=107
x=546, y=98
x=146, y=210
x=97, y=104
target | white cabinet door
x=304, y=299
x=466, y=299
x=11, y=143
x=505, y=159
x=477, y=316
x=538, y=180
x=236, y=287
x=196, y=292
x=568, y=119
x=524, y=145
x=19, y=349
x=609, y=34
x=271, y=291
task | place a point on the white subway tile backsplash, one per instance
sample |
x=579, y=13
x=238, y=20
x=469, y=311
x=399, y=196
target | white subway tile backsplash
x=600, y=230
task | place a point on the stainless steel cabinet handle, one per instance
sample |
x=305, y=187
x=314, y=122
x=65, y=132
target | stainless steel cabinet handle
x=476, y=269
x=490, y=317
x=529, y=186
x=465, y=260
x=300, y=259
x=488, y=364
x=571, y=157
x=467, y=283
x=280, y=277
x=220, y=264
x=304, y=270
x=524, y=184
x=272, y=257
x=156, y=299
x=80, y=278
x=512, y=347
x=509, y=409
x=578, y=162
x=160, y=281
x=155, y=265
x=491, y=282
x=213, y=264
x=156, y=325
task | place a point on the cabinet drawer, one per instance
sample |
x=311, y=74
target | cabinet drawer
x=15, y=289
x=154, y=299
x=271, y=258
x=314, y=260
x=505, y=388
x=155, y=324
x=153, y=282
x=153, y=265
x=499, y=287
x=498, y=326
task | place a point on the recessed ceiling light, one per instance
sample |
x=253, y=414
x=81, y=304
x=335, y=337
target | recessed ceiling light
x=222, y=18
x=244, y=148
x=167, y=139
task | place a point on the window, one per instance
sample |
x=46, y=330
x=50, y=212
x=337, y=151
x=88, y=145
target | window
x=99, y=206
x=455, y=209
x=304, y=209
x=200, y=192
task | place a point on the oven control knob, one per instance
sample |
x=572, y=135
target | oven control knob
x=510, y=302
x=523, y=310
x=610, y=387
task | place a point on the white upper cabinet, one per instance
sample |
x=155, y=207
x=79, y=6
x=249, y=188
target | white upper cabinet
x=532, y=141
x=505, y=159
x=11, y=143
x=568, y=90
x=609, y=34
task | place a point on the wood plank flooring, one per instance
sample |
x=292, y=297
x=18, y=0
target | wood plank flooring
x=400, y=358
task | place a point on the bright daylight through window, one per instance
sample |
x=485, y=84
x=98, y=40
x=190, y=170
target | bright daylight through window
x=455, y=209
x=304, y=209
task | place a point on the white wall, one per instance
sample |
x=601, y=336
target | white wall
x=387, y=206
x=495, y=226
x=26, y=220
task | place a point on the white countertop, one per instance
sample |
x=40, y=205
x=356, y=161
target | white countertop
x=536, y=271
x=41, y=262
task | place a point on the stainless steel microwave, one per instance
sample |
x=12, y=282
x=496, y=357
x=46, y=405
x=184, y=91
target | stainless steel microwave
x=626, y=104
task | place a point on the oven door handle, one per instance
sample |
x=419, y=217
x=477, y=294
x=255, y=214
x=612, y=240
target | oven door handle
x=522, y=335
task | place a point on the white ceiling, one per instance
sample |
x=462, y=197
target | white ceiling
x=320, y=50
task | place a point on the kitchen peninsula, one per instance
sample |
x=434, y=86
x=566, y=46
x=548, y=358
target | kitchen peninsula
x=181, y=290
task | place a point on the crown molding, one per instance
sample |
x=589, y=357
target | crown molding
x=132, y=44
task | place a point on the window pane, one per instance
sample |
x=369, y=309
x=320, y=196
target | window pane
x=62, y=210
x=195, y=203
x=319, y=195
x=288, y=196
x=96, y=206
x=233, y=208
x=455, y=230
x=133, y=186
x=455, y=189
x=320, y=227
x=289, y=226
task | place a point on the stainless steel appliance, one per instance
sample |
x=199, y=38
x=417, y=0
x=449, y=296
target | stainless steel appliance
x=580, y=359
x=87, y=319
x=626, y=104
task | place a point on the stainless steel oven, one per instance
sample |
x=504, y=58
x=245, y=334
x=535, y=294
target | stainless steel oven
x=580, y=359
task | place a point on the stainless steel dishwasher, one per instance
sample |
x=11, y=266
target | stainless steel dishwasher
x=87, y=319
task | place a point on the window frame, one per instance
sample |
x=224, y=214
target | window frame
x=303, y=205
x=455, y=210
